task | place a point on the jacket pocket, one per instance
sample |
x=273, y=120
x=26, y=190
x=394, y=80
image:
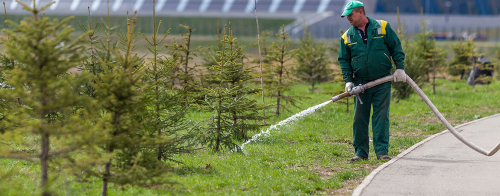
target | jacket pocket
x=359, y=66
x=383, y=60
x=387, y=56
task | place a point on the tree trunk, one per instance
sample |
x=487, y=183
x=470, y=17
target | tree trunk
x=312, y=79
x=105, y=178
x=107, y=173
x=474, y=70
x=110, y=149
x=434, y=84
x=45, y=148
x=44, y=158
x=434, y=73
x=280, y=78
x=217, y=140
x=160, y=149
x=278, y=104
x=155, y=69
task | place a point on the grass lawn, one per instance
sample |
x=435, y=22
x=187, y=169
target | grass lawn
x=309, y=156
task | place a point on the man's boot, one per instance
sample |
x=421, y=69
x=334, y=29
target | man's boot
x=383, y=157
x=358, y=158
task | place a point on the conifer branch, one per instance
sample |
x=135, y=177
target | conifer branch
x=32, y=159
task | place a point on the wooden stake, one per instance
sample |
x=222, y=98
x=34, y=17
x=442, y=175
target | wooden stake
x=260, y=59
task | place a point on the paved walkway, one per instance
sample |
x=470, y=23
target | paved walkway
x=442, y=165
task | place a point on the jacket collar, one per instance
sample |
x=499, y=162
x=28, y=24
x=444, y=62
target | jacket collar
x=373, y=25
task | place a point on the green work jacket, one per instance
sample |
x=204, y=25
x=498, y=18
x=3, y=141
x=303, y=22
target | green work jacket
x=373, y=60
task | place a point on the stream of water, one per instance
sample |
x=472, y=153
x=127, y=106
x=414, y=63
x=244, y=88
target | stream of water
x=284, y=122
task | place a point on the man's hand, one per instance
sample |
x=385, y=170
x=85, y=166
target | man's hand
x=348, y=86
x=399, y=75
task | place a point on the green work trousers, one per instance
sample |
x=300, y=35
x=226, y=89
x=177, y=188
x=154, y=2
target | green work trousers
x=380, y=97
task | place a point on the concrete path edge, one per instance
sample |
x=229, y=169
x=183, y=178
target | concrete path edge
x=369, y=178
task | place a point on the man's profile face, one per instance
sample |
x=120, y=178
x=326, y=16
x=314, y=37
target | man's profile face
x=355, y=17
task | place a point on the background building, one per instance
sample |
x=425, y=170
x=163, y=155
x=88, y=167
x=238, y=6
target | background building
x=448, y=18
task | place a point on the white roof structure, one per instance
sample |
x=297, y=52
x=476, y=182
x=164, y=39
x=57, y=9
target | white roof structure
x=219, y=8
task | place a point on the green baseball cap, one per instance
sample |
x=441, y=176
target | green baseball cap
x=351, y=5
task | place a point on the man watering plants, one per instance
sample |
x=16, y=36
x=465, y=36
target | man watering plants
x=365, y=55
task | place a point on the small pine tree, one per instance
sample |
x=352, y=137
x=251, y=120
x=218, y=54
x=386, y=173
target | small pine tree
x=237, y=77
x=312, y=62
x=474, y=56
x=426, y=43
x=48, y=124
x=461, y=61
x=435, y=63
x=92, y=40
x=211, y=53
x=155, y=75
x=234, y=114
x=100, y=51
x=90, y=64
x=122, y=96
x=105, y=48
x=165, y=115
x=413, y=64
x=279, y=80
x=184, y=73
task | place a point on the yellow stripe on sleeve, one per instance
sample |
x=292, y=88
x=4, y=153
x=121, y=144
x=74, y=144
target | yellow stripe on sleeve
x=345, y=37
x=384, y=24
